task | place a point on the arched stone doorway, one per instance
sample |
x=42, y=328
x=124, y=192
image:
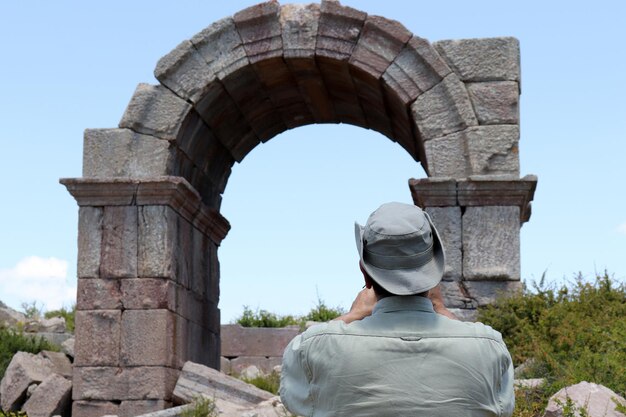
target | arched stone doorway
x=149, y=220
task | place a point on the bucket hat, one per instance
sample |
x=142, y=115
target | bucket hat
x=400, y=249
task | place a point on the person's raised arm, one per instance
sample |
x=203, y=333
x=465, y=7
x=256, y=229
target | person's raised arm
x=362, y=306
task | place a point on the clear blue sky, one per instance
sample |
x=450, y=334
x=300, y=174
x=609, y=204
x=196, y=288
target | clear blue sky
x=71, y=65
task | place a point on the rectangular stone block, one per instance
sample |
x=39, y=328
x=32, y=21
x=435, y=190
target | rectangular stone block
x=148, y=293
x=98, y=294
x=444, y=109
x=260, y=31
x=148, y=338
x=251, y=341
x=447, y=156
x=119, y=242
x=455, y=295
x=310, y=82
x=338, y=30
x=199, y=262
x=447, y=220
x=417, y=68
x=184, y=253
x=141, y=407
x=119, y=384
x=94, y=408
x=491, y=243
x=495, y=102
x=124, y=153
x=97, y=338
x=493, y=150
x=371, y=98
x=381, y=40
x=156, y=111
x=488, y=292
x=487, y=59
x=184, y=71
x=89, y=241
x=157, y=228
x=221, y=47
x=299, y=24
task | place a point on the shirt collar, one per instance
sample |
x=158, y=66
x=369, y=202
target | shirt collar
x=403, y=303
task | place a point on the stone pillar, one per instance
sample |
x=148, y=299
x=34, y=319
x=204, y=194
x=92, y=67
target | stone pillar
x=148, y=291
x=479, y=221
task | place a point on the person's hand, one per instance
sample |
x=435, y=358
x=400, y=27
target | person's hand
x=437, y=300
x=362, y=306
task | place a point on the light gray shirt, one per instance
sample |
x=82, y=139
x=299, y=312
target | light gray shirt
x=403, y=360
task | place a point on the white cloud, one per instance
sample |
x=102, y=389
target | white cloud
x=43, y=280
x=622, y=228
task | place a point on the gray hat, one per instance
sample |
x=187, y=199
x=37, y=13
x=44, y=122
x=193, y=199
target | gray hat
x=400, y=249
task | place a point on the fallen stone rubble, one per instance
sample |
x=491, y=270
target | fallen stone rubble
x=39, y=385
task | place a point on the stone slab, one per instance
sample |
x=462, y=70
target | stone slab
x=447, y=220
x=157, y=229
x=124, y=153
x=97, y=338
x=433, y=192
x=251, y=341
x=444, y=109
x=196, y=380
x=495, y=102
x=487, y=59
x=51, y=398
x=119, y=242
x=120, y=384
x=89, y=241
x=491, y=243
x=148, y=338
x=98, y=294
x=156, y=111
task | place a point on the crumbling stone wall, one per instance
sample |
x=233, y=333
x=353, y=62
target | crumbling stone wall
x=149, y=221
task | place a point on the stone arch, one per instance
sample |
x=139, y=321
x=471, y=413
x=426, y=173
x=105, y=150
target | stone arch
x=149, y=222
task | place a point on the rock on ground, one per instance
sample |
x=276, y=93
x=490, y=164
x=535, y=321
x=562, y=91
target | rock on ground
x=24, y=370
x=52, y=397
x=596, y=400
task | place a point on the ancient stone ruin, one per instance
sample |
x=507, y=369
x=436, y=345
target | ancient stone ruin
x=149, y=216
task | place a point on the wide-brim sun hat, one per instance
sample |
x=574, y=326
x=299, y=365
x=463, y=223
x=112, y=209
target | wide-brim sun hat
x=400, y=248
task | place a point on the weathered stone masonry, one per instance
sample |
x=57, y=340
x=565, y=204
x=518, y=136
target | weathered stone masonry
x=149, y=221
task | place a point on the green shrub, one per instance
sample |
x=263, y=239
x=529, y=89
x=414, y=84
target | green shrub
x=200, y=407
x=12, y=341
x=263, y=318
x=269, y=382
x=67, y=313
x=573, y=333
x=12, y=414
